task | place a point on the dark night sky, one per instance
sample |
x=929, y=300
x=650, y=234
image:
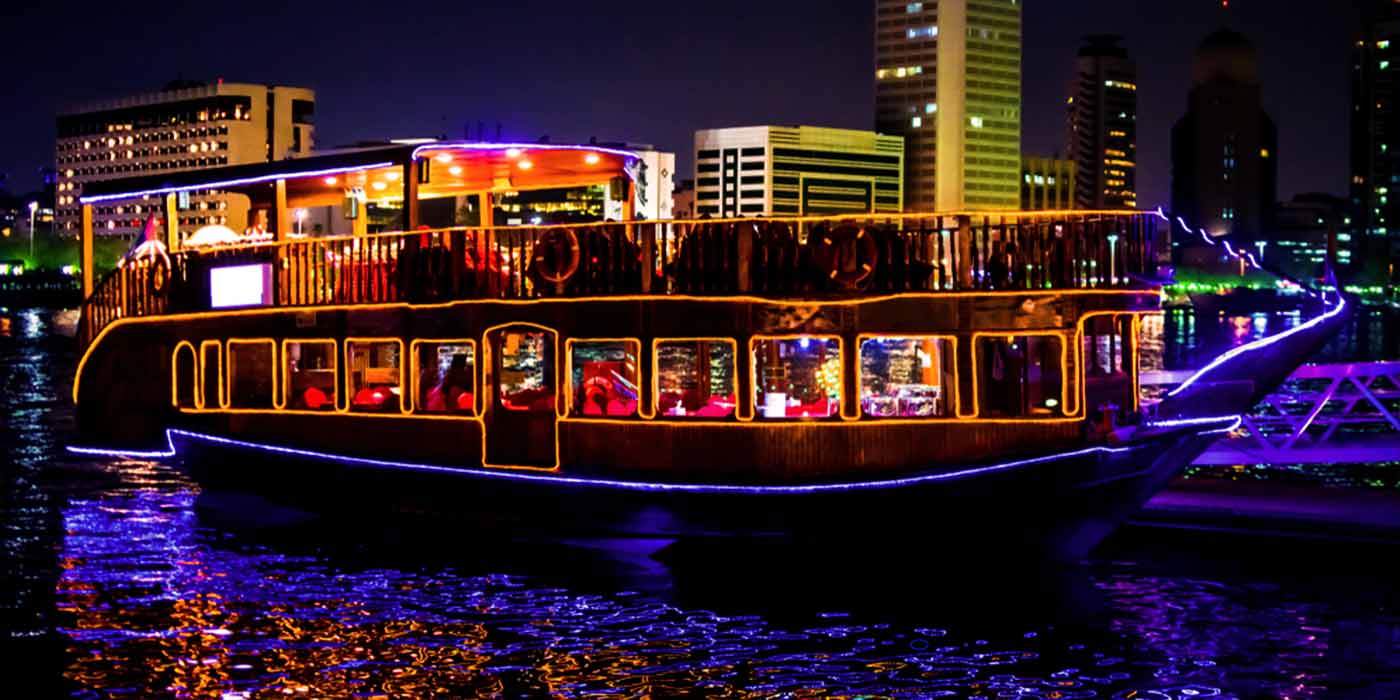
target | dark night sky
x=649, y=72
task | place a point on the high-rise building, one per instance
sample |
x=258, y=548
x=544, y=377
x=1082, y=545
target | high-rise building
x=948, y=79
x=1225, y=150
x=790, y=170
x=1103, y=125
x=1374, y=246
x=1301, y=227
x=1047, y=184
x=185, y=126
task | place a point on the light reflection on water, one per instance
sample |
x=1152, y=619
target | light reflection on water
x=126, y=582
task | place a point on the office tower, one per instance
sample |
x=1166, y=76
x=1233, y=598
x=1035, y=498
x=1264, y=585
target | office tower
x=1103, y=125
x=185, y=126
x=790, y=170
x=948, y=79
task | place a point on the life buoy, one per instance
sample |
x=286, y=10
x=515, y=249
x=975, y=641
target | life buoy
x=848, y=255
x=158, y=275
x=557, y=256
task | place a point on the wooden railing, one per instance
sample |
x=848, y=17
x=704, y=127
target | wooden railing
x=778, y=257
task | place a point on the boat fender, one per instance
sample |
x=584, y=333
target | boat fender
x=832, y=255
x=557, y=255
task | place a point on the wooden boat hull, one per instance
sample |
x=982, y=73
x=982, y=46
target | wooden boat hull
x=1056, y=505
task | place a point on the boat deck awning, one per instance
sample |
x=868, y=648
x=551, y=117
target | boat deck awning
x=444, y=169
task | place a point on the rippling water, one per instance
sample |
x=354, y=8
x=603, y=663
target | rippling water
x=122, y=579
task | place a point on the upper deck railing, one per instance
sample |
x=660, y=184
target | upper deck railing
x=810, y=257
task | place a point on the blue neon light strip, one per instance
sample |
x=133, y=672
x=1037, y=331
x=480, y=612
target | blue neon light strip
x=233, y=183
x=553, y=479
x=478, y=146
x=1258, y=344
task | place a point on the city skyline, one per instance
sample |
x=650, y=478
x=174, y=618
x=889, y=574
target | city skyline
x=628, y=81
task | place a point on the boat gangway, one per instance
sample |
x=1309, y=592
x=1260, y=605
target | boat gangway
x=1324, y=413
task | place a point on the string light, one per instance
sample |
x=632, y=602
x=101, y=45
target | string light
x=636, y=486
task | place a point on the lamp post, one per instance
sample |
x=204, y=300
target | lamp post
x=1260, y=245
x=33, y=207
x=1113, y=258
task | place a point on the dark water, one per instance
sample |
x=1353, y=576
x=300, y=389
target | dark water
x=122, y=580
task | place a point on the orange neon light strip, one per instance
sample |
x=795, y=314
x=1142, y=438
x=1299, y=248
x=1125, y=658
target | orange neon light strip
x=739, y=401
x=349, y=370
x=493, y=386
x=1064, y=337
x=417, y=374
x=175, y=371
x=753, y=375
x=635, y=344
x=285, y=394
x=226, y=398
x=952, y=400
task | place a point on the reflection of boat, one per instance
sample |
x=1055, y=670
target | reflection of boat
x=762, y=357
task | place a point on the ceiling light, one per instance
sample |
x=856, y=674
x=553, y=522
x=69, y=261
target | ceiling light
x=525, y=165
x=331, y=181
x=379, y=185
x=455, y=170
x=444, y=157
x=391, y=176
x=512, y=153
x=591, y=159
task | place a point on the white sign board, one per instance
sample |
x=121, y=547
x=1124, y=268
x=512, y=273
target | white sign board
x=240, y=285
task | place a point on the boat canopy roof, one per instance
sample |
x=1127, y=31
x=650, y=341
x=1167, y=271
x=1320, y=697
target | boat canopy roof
x=452, y=169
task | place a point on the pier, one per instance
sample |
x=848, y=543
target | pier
x=1326, y=413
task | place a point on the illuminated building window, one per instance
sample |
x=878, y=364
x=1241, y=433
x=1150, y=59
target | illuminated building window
x=695, y=378
x=309, y=375
x=909, y=377
x=603, y=378
x=797, y=377
x=1020, y=376
x=374, y=375
x=251, y=370
x=526, y=374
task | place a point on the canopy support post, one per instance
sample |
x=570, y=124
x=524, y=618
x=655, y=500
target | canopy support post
x=86, y=235
x=172, y=222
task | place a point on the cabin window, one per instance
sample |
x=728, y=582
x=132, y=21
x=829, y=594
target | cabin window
x=797, y=377
x=695, y=378
x=445, y=376
x=251, y=369
x=907, y=377
x=603, y=378
x=374, y=373
x=1109, y=361
x=211, y=375
x=1021, y=376
x=184, y=376
x=309, y=375
x=527, y=371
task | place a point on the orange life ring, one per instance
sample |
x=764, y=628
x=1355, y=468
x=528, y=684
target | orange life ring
x=848, y=254
x=557, y=256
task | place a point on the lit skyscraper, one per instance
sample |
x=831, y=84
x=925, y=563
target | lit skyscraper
x=1103, y=126
x=948, y=79
x=1225, y=150
x=1374, y=240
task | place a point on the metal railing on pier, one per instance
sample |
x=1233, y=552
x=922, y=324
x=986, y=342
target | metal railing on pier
x=1330, y=413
